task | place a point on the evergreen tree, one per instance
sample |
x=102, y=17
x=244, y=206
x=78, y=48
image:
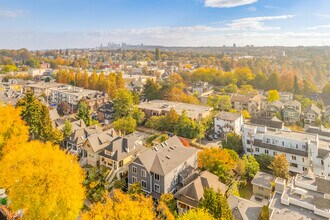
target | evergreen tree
x=273, y=82
x=67, y=129
x=157, y=54
x=296, y=89
x=186, y=127
x=83, y=112
x=151, y=90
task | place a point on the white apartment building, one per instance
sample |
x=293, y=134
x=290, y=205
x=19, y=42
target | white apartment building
x=70, y=94
x=225, y=122
x=302, y=150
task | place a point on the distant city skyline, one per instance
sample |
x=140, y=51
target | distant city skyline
x=53, y=24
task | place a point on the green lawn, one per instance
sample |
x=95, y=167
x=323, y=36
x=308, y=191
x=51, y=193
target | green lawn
x=246, y=191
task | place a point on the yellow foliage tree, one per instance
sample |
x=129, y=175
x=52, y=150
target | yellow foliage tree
x=122, y=206
x=196, y=214
x=13, y=129
x=43, y=181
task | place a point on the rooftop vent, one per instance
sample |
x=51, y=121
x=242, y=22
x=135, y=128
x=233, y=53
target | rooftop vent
x=172, y=148
x=168, y=157
x=156, y=149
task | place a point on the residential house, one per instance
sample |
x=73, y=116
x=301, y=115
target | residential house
x=273, y=122
x=311, y=114
x=74, y=143
x=163, y=168
x=95, y=100
x=326, y=114
x=244, y=209
x=240, y=102
x=121, y=151
x=94, y=145
x=162, y=107
x=262, y=185
x=192, y=192
x=40, y=88
x=306, y=197
x=75, y=124
x=225, y=122
x=302, y=150
x=257, y=105
x=273, y=109
x=106, y=113
x=291, y=111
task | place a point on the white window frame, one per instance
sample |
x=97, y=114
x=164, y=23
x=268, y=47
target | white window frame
x=134, y=179
x=142, y=181
x=134, y=168
x=158, y=179
x=143, y=173
x=158, y=188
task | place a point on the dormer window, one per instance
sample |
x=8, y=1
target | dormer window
x=107, y=152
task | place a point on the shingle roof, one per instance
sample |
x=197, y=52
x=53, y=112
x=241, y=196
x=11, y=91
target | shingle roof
x=240, y=98
x=193, y=192
x=313, y=108
x=166, y=156
x=101, y=140
x=323, y=185
x=228, y=116
x=243, y=209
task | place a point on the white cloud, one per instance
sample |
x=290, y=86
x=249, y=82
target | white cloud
x=256, y=23
x=10, y=13
x=227, y=3
x=317, y=27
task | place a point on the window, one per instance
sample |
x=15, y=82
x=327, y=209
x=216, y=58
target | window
x=121, y=163
x=266, y=151
x=260, y=188
x=304, y=168
x=303, y=160
x=144, y=184
x=133, y=169
x=133, y=179
x=257, y=149
x=248, y=141
x=157, y=188
x=322, y=162
x=143, y=173
x=293, y=157
x=283, y=143
x=156, y=177
x=294, y=165
x=296, y=146
x=274, y=153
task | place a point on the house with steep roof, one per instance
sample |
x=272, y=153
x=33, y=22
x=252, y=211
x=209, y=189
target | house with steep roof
x=121, y=151
x=74, y=143
x=273, y=109
x=291, y=111
x=76, y=124
x=244, y=209
x=95, y=144
x=192, y=191
x=311, y=114
x=162, y=168
x=257, y=104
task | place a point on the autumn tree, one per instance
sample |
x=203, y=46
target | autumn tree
x=259, y=81
x=13, y=129
x=264, y=214
x=244, y=75
x=280, y=166
x=219, y=102
x=167, y=208
x=217, y=161
x=216, y=204
x=122, y=206
x=265, y=161
x=123, y=103
x=273, y=95
x=326, y=89
x=157, y=54
x=196, y=214
x=95, y=184
x=138, y=115
x=125, y=125
x=36, y=176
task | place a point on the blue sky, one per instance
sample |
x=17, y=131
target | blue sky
x=46, y=24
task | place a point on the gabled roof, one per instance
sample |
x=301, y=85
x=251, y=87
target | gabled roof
x=79, y=136
x=122, y=147
x=278, y=104
x=243, y=209
x=313, y=108
x=240, y=98
x=292, y=103
x=165, y=157
x=193, y=191
x=101, y=140
x=228, y=116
